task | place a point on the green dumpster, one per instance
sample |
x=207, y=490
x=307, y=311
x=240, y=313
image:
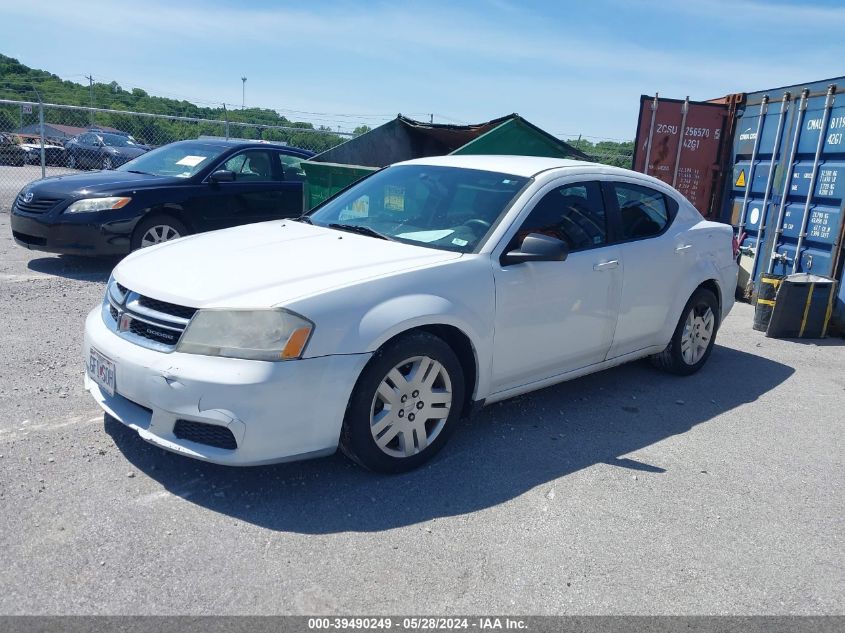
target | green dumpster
x=405, y=139
x=323, y=180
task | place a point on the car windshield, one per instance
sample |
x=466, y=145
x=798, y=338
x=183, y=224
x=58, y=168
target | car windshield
x=115, y=140
x=181, y=160
x=448, y=208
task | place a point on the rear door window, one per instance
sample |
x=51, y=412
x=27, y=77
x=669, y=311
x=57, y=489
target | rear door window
x=291, y=167
x=643, y=212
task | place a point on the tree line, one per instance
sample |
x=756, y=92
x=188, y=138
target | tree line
x=20, y=82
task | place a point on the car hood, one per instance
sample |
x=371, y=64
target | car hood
x=99, y=182
x=131, y=151
x=265, y=264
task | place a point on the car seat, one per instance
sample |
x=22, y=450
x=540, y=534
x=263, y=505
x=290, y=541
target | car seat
x=636, y=222
x=257, y=167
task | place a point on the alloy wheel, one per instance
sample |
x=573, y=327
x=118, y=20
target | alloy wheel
x=158, y=234
x=697, y=333
x=411, y=406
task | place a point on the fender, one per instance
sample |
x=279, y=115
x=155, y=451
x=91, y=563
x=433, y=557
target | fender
x=401, y=314
x=704, y=270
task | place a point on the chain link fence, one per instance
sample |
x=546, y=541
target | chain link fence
x=38, y=140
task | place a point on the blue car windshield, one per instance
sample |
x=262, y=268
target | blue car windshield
x=116, y=140
x=448, y=208
x=181, y=160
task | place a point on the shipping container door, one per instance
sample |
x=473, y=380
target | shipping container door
x=793, y=221
x=680, y=142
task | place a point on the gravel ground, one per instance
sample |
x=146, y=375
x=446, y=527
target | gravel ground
x=624, y=492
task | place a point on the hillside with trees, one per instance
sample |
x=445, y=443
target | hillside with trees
x=20, y=82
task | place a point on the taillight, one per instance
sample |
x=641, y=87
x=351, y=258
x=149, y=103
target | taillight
x=737, y=244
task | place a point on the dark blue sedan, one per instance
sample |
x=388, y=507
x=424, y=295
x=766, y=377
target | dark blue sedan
x=101, y=150
x=178, y=189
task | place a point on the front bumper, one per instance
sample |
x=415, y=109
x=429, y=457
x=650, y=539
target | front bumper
x=276, y=412
x=72, y=234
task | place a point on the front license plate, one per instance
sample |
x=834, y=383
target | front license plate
x=101, y=370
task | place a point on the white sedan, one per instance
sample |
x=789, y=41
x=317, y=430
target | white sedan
x=404, y=303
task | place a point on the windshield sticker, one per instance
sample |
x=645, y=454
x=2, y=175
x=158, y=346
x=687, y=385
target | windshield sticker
x=427, y=236
x=459, y=242
x=394, y=198
x=191, y=161
x=360, y=209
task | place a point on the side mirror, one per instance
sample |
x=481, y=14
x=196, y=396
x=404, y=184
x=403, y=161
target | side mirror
x=537, y=248
x=222, y=175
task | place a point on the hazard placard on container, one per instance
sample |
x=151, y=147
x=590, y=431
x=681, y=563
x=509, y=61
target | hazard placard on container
x=740, y=180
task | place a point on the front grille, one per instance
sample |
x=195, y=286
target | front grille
x=153, y=332
x=208, y=434
x=183, y=312
x=160, y=324
x=36, y=205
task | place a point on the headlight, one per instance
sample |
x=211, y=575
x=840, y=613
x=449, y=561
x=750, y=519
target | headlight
x=97, y=204
x=249, y=334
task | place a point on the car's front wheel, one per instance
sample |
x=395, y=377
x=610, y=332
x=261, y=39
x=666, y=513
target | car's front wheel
x=694, y=336
x=156, y=230
x=71, y=161
x=107, y=164
x=405, y=404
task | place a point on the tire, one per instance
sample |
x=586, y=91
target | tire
x=694, y=336
x=107, y=164
x=71, y=161
x=160, y=228
x=393, y=375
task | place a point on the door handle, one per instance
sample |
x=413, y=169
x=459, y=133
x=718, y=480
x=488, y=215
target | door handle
x=682, y=247
x=614, y=263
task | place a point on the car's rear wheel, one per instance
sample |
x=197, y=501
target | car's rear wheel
x=107, y=164
x=156, y=230
x=71, y=161
x=405, y=404
x=694, y=337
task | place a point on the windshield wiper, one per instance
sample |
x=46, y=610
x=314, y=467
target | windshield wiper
x=305, y=219
x=135, y=171
x=360, y=230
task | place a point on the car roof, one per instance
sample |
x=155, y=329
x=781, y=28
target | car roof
x=526, y=166
x=241, y=143
x=530, y=166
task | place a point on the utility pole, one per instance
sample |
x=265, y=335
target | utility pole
x=431, y=119
x=243, y=92
x=90, y=79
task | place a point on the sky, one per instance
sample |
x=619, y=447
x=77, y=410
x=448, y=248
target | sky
x=570, y=67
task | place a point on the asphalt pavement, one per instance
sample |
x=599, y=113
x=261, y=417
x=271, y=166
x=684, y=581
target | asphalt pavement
x=625, y=492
